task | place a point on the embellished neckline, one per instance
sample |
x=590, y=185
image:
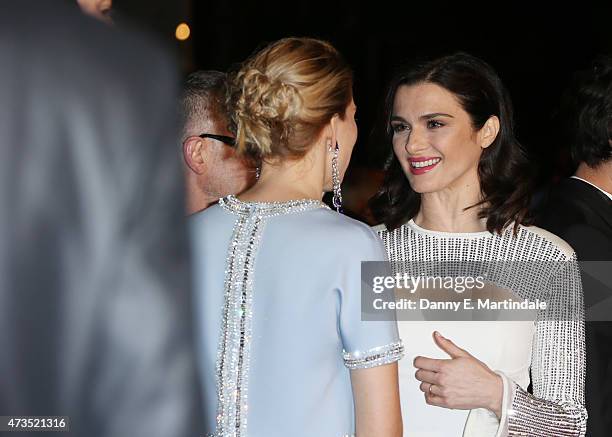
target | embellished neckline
x=269, y=209
x=478, y=234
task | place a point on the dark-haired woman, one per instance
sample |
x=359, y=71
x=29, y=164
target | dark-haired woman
x=456, y=191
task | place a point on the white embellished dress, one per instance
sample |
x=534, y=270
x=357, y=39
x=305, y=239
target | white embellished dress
x=278, y=295
x=551, y=346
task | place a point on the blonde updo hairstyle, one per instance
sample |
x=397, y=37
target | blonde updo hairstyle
x=285, y=94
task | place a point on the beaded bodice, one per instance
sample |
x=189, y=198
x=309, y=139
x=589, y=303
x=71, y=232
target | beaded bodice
x=533, y=264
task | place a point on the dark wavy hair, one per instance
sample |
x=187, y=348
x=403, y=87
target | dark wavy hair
x=587, y=112
x=504, y=171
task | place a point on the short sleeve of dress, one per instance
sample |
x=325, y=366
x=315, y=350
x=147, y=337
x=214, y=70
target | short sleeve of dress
x=366, y=343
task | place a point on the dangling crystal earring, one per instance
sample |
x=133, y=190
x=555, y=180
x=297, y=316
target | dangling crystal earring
x=257, y=173
x=337, y=199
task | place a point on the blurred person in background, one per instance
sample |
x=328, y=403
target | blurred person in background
x=579, y=209
x=99, y=9
x=95, y=312
x=358, y=187
x=212, y=167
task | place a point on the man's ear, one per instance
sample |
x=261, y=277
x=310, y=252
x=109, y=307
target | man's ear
x=193, y=154
x=488, y=132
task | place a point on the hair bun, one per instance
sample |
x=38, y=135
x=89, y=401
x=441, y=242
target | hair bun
x=283, y=96
x=265, y=109
x=270, y=99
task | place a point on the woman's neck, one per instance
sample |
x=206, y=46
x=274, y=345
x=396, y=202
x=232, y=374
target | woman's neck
x=287, y=180
x=445, y=211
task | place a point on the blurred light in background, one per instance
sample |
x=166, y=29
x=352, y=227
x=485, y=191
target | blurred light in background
x=182, y=32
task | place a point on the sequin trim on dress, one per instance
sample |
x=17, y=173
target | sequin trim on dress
x=233, y=355
x=374, y=357
x=269, y=209
x=530, y=416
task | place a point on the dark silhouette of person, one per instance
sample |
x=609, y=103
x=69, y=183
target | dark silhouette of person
x=95, y=297
x=579, y=210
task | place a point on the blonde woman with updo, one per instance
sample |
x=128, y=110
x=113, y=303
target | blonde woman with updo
x=284, y=351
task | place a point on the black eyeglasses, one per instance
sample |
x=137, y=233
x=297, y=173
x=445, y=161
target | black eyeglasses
x=224, y=139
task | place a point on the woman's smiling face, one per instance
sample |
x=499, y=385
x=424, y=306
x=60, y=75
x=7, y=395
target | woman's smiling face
x=434, y=139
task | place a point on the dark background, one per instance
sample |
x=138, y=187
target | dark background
x=534, y=47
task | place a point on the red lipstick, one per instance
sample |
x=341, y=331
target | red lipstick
x=423, y=164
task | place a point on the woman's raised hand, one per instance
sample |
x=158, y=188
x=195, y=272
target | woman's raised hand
x=461, y=382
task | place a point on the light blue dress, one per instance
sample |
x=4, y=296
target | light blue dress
x=278, y=295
